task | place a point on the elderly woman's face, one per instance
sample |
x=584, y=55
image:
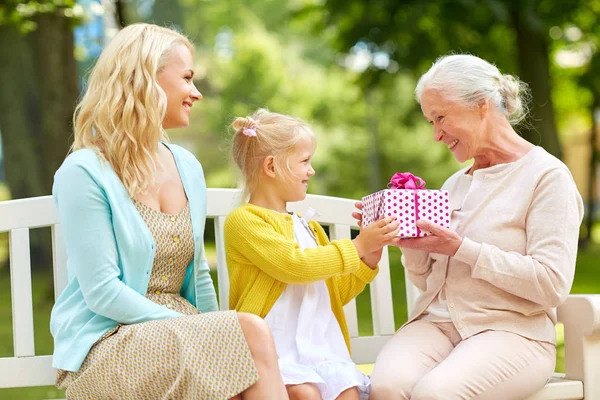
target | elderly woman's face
x=458, y=127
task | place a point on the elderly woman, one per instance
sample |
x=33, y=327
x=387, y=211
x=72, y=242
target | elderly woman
x=483, y=326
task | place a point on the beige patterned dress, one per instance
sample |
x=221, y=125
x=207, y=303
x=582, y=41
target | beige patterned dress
x=200, y=356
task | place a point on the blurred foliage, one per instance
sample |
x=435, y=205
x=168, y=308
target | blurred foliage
x=349, y=69
x=4, y=195
x=261, y=54
x=21, y=14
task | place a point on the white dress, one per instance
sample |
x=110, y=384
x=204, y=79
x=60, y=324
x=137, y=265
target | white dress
x=308, y=338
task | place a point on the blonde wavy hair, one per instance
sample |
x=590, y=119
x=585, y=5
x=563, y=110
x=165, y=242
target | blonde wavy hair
x=121, y=114
x=276, y=135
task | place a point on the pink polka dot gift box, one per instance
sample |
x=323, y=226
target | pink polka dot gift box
x=407, y=199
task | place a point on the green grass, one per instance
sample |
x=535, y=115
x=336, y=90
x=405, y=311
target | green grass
x=4, y=195
x=586, y=281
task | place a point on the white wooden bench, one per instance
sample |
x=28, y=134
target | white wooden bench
x=580, y=313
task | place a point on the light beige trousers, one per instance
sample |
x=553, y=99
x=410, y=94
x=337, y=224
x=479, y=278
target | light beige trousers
x=427, y=360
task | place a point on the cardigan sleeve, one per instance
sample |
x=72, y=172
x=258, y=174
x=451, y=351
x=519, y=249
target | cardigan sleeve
x=207, y=297
x=544, y=274
x=199, y=289
x=349, y=285
x=92, y=253
x=257, y=242
x=353, y=284
x=417, y=264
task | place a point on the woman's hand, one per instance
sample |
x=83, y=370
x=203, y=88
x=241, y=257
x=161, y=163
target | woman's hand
x=440, y=241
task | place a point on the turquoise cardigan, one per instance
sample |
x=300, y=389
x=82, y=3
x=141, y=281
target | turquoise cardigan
x=110, y=253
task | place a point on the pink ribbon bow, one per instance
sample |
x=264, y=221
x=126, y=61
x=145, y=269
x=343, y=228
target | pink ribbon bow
x=406, y=180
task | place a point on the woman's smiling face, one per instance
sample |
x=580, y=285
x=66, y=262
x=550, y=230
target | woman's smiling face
x=177, y=81
x=457, y=126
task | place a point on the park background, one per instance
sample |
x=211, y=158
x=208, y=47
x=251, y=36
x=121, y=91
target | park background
x=348, y=67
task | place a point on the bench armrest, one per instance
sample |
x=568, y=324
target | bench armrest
x=580, y=315
x=583, y=310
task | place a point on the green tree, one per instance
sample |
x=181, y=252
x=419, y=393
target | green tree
x=511, y=33
x=39, y=90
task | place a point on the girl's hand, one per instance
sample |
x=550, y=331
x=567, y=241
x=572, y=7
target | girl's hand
x=440, y=241
x=371, y=259
x=375, y=236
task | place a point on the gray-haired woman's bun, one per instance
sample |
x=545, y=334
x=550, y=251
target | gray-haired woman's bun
x=515, y=96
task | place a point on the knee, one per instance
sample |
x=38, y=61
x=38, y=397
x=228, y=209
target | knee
x=387, y=390
x=387, y=383
x=433, y=389
x=258, y=336
x=305, y=391
x=253, y=325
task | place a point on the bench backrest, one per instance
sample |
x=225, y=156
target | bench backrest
x=17, y=217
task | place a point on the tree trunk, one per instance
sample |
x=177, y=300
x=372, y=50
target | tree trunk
x=57, y=90
x=167, y=13
x=18, y=115
x=39, y=89
x=120, y=14
x=375, y=148
x=593, y=162
x=535, y=70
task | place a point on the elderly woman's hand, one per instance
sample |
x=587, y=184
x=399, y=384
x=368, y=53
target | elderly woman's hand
x=440, y=241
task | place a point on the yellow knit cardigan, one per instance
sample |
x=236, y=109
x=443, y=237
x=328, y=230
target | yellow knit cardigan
x=263, y=257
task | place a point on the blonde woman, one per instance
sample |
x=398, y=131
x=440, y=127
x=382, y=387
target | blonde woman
x=138, y=318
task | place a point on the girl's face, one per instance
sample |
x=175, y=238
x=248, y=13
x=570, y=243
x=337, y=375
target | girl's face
x=293, y=186
x=176, y=79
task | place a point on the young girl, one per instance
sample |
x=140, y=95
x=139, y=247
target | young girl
x=282, y=266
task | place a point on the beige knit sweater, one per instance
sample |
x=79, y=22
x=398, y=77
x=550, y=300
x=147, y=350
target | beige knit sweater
x=516, y=264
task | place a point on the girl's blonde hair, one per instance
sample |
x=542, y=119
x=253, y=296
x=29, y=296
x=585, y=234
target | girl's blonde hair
x=275, y=135
x=121, y=114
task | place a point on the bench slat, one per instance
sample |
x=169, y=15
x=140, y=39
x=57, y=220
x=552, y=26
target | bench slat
x=366, y=348
x=59, y=260
x=26, y=371
x=338, y=232
x=382, y=306
x=36, y=212
x=21, y=295
x=222, y=201
x=222, y=272
x=333, y=210
x=560, y=388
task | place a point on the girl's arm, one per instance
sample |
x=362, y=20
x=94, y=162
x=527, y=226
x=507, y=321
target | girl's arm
x=351, y=285
x=257, y=242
